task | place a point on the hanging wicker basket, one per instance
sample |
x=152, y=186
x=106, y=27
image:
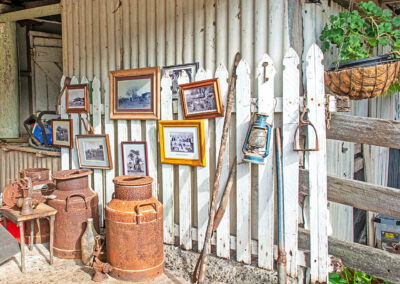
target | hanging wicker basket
x=370, y=79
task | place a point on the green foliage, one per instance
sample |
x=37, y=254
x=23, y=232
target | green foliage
x=356, y=35
x=354, y=277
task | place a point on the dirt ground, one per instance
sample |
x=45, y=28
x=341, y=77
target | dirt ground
x=179, y=266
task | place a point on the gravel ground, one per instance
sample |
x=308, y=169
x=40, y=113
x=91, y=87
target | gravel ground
x=179, y=265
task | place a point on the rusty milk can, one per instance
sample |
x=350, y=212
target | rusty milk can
x=134, y=230
x=75, y=202
x=40, y=178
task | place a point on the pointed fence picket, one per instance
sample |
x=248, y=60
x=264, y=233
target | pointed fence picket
x=266, y=104
x=290, y=159
x=181, y=189
x=64, y=151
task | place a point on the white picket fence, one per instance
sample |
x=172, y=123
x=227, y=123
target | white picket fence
x=226, y=240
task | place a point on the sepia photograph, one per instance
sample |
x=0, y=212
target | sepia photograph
x=77, y=98
x=134, y=158
x=94, y=151
x=135, y=94
x=182, y=142
x=175, y=70
x=62, y=131
x=201, y=99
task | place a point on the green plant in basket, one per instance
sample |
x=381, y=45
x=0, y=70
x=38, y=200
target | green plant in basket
x=354, y=277
x=356, y=35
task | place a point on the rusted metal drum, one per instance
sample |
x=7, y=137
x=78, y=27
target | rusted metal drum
x=134, y=230
x=39, y=176
x=75, y=202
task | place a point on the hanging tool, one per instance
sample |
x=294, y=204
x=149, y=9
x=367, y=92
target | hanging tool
x=281, y=217
x=302, y=124
x=224, y=138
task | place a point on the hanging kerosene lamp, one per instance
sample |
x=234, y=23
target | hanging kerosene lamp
x=256, y=145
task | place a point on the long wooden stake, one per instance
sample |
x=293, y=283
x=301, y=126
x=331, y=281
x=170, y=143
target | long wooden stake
x=224, y=138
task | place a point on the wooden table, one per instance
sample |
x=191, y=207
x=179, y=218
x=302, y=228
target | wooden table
x=41, y=211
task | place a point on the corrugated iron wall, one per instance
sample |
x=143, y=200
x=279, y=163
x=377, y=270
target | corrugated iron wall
x=104, y=35
x=13, y=159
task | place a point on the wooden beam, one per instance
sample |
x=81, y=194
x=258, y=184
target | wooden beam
x=373, y=261
x=31, y=13
x=365, y=130
x=363, y=195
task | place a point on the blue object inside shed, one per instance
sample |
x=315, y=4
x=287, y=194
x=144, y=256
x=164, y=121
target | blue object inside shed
x=37, y=132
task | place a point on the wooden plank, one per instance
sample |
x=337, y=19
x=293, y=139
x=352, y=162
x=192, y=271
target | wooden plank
x=365, y=130
x=97, y=174
x=233, y=32
x=109, y=129
x=317, y=166
x=64, y=115
x=373, y=261
x=290, y=158
x=185, y=190
x=265, y=182
x=203, y=179
x=46, y=41
x=167, y=169
x=223, y=231
x=75, y=129
x=363, y=195
x=243, y=177
x=37, y=12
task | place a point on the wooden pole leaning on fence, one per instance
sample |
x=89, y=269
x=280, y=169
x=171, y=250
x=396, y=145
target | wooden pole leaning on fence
x=227, y=121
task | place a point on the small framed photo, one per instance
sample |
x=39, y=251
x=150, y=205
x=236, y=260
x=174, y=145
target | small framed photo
x=62, y=133
x=182, y=142
x=174, y=71
x=134, y=158
x=201, y=99
x=94, y=151
x=77, y=97
x=135, y=93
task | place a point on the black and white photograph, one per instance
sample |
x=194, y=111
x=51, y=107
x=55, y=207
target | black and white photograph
x=134, y=94
x=175, y=70
x=62, y=129
x=94, y=151
x=181, y=142
x=77, y=98
x=134, y=158
x=201, y=99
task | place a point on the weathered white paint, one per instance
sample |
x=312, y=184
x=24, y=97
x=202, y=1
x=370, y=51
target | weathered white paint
x=185, y=184
x=266, y=184
x=109, y=129
x=75, y=130
x=167, y=169
x=223, y=231
x=243, y=177
x=203, y=178
x=64, y=115
x=317, y=166
x=290, y=160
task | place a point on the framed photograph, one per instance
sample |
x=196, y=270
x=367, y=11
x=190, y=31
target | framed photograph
x=174, y=71
x=182, y=142
x=77, y=97
x=135, y=93
x=201, y=99
x=94, y=151
x=134, y=158
x=62, y=132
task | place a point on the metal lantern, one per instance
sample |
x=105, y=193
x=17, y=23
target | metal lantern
x=256, y=145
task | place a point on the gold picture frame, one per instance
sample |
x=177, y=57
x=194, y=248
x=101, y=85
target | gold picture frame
x=182, y=142
x=201, y=99
x=135, y=94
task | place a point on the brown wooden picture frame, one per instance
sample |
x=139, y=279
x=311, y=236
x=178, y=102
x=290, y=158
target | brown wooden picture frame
x=70, y=134
x=196, y=108
x=151, y=104
x=93, y=165
x=85, y=89
x=144, y=143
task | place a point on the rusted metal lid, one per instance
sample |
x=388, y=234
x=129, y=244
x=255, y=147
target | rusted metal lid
x=132, y=180
x=69, y=174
